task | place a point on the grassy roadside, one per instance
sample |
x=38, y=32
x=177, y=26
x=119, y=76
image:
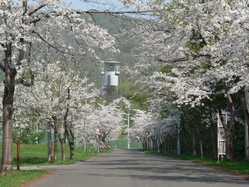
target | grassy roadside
x=19, y=178
x=33, y=154
x=37, y=155
x=122, y=142
x=236, y=167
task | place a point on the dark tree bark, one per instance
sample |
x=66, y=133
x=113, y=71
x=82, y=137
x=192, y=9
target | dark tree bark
x=213, y=134
x=71, y=144
x=8, y=98
x=201, y=149
x=230, y=130
x=55, y=138
x=18, y=149
x=245, y=105
x=69, y=134
x=51, y=143
x=62, y=140
x=62, y=144
x=194, y=152
x=230, y=145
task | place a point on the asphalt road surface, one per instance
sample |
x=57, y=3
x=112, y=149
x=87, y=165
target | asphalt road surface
x=135, y=169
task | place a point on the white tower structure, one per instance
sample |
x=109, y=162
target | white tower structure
x=110, y=78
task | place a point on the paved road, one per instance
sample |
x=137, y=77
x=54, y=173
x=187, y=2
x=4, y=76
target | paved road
x=134, y=169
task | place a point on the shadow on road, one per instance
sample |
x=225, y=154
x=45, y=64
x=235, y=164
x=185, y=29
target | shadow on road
x=134, y=164
x=123, y=168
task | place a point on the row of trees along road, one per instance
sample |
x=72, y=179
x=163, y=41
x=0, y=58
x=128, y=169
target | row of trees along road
x=193, y=57
x=40, y=42
x=199, y=70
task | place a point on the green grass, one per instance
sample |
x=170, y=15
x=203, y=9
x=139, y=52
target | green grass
x=79, y=155
x=37, y=154
x=238, y=167
x=241, y=167
x=122, y=142
x=18, y=178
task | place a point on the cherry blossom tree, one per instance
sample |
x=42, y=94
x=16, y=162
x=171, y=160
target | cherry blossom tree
x=20, y=29
x=199, y=56
x=99, y=125
x=59, y=95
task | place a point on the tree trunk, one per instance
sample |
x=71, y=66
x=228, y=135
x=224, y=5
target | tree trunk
x=245, y=103
x=8, y=98
x=62, y=141
x=165, y=146
x=51, y=144
x=246, y=140
x=214, y=139
x=158, y=145
x=230, y=146
x=230, y=129
x=84, y=144
x=62, y=149
x=201, y=149
x=18, y=148
x=71, y=143
x=213, y=135
x=69, y=135
x=194, y=152
x=178, y=144
x=246, y=113
x=52, y=156
x=55, y=143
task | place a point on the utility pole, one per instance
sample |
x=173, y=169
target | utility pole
x=128, y=123
x=178, y=138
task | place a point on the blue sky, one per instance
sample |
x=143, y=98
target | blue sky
x=114, y=5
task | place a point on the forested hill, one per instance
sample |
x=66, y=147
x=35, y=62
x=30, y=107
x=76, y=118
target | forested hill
x=123, y=29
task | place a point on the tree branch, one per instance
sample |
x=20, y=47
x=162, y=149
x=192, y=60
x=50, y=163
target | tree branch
x=37, y=9
x=115, y=12
x=25, y=7
x=174, y=60
x=90, y=12
x=51, y=45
